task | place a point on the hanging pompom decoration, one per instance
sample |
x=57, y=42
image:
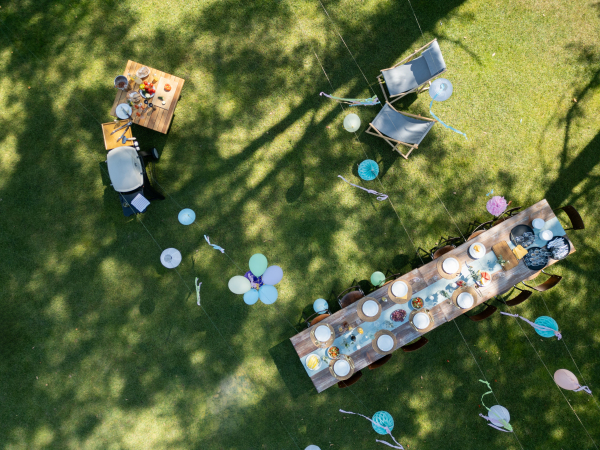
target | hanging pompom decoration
x=381, y=421
x=377, y=279
x=497, y=414
x=383, y=425
x=567, y=380
x=320, y=306
x=496, y=205
x=368, y=170
x=351, y=122
x=546, y=327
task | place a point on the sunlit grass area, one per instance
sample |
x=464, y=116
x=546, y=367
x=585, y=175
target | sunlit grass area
x=104, y=348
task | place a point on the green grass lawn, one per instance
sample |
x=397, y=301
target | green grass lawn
x=104, y=348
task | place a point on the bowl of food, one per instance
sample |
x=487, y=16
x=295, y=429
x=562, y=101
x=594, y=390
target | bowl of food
x=417, y=303
x=398, y=316
x=485, y=278
x=143, y=72
x=333, y=352
x=147, y=89
x=121, y=82
x=313, y=362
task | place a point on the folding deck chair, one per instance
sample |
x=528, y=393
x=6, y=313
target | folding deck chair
x=410, y=75
x=400, y=128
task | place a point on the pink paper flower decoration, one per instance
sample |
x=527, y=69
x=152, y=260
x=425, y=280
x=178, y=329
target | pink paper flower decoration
x=496, y=205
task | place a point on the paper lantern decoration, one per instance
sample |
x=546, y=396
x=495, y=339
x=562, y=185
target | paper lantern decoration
x=377, y=278
x=567, y=380
x=251, y=297
x=441, y=89
x=170, y=258
x=239, y=284
x=546, y=322
x=368, y=170
x=268, y=294
x=320, y=305
x=351, y=122
x=497, y=414
x=382, y=419
x=186, y=216
x=258, y=264
x=496, y=205
x=312, y=447
x=272, y=275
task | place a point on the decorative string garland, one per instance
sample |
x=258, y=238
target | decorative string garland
x=380, y=197
x=537, y=326
x=354, y=101
x=382, y=426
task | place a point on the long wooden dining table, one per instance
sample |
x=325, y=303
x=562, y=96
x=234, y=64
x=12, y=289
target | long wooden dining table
x=423, y=281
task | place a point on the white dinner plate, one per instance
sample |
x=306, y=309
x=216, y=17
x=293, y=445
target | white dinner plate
x=464, y=300
x=341, y=367
x=322, y=333
x=477, y=254
x=421, y=320
x=399, y=288
x=318, y=363
x=450, y=265
x=370, y=308
x=123, y=111
x=385, y=343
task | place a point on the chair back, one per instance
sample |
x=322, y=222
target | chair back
x=512, y=211
x=548, y=284
x=400, y=127
x=475, y=234
x=380, y=362
x=442, y=251
x=316, y=318
x=350, y=381
x=523, y=295
x=487, y=312
x=391, y=278
x=574, y=217
x=416, y=345
x=499, y=221
x=350, y=297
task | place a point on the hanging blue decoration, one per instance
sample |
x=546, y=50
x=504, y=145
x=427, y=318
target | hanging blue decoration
x=320, y=305
x=368, y=170
x=186, y=216
x=440, y=90
x=384, y=419
x=548, y=322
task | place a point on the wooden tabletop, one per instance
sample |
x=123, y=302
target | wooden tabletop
x=160, y=119
x=421, y=278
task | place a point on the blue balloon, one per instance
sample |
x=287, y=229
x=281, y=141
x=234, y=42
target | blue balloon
x=368, y=170
x=320, y=305
x=272, y=275
x=382, y=418
x=546, y=322
x=251, y=297
x=268, y=294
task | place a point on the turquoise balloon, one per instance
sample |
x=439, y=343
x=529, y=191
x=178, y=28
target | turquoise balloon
x=258, y=264
x=382, y=418
x=239, y=284
x=320, y=305
x=377, y=278
x=546, y=322
x=268, y=294
x=251, y=297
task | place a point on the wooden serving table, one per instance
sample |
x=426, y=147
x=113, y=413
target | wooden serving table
x=419, y=279
x=159, y=119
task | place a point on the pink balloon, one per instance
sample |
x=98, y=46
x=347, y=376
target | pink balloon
x=566, y=379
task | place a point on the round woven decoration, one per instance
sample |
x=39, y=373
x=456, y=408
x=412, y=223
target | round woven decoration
x=546, y=322
x=362, y=315
x=318, y=343
x=368, y=170
x=447, y=276
x=423, y=310
x=399, y=300
x=470, y=289
x=383, y=418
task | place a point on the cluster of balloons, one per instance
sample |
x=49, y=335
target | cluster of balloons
x=258, y=282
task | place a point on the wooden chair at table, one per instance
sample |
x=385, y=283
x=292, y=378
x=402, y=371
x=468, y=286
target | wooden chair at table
x=487, y=312
x=415, y=345
x=520, y=298
x=498, y=221
x=350, y=381
x=479, y=228
x=511, y=212
x=346, y=298
x=444, y=246
x=548, y=284
x=316, y=318
x=574, y=217
x=391, y=278
x=380, y=362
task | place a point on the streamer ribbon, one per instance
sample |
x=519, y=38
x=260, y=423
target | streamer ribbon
x=216, y=247
x=437, y=118
x=354, y=101
x=535, y=325
x=387, y=430
x=197, y=284
x=380, y=197
x=584, y=389
x=505, y=424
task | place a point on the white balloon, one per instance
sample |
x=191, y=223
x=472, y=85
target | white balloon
x=239, y=284
x=498, y=412
x=351, y=122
